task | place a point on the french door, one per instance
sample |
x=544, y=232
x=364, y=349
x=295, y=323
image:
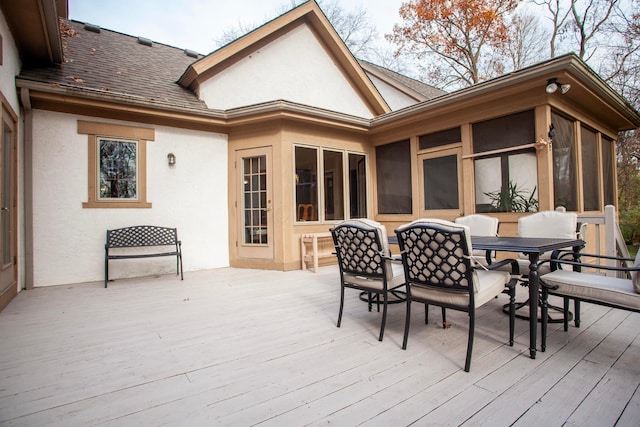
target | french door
x=8, y=208
x=254, y=206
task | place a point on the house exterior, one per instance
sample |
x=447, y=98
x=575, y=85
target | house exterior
x=278, y=134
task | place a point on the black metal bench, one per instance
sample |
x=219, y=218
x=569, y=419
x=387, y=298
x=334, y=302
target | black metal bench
x=142, y=236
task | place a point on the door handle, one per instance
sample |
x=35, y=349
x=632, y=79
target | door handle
x=5, y=209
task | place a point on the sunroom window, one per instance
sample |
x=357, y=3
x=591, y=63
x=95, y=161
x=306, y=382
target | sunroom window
x=505, y=172
x=343, y=184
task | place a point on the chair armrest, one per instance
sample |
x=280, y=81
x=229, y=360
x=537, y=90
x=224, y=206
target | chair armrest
x=515, y=268
x=567, y=258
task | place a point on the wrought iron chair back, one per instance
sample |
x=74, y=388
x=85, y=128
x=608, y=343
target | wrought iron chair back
x=436, y=256
x=365, y=264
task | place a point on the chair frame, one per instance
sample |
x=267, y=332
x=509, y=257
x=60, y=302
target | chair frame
x=458, y=279
x=359, y=252
x=573, y=259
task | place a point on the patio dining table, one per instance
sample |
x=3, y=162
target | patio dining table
x=533, y=247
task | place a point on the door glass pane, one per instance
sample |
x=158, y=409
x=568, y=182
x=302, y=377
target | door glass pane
x=6, y=195
x=441, y=183
x=590, y=175
x=357, y=186
x=333, y=188
x=306, y=184
x=393, y=176
x=254, y=173
x=564, y=163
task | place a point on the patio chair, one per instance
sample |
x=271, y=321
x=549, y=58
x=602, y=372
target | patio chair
x=580, y=280
x=550, y=224
x=365, y=263
x=481, y=225
x=438, y=269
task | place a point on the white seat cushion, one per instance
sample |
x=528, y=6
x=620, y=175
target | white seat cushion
x=488, y=284
x=610, y=290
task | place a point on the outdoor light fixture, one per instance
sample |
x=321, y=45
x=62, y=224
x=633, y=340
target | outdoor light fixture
x=553, y=85
x=172, y=159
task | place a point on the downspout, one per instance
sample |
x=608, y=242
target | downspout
x=28, y=187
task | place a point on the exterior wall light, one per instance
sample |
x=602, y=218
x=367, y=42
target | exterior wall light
x=171, y=158
x=553, y=85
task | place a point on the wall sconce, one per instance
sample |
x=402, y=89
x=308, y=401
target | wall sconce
x=553, y=85
x=171, y=158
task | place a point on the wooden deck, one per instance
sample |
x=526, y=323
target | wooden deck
x=240, y=347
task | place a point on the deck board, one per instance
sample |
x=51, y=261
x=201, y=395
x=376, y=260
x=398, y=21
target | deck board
x=250, y=347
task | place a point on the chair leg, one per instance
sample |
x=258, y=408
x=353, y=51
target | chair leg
x=576, y=314
x=472, y=321
x=512, y=313
x=369, y=300
x=426, y=314
x=407, y=319
x=565, y=313
x=341, y=305
x=384, y=313
x=444, y=317
x=544, y=305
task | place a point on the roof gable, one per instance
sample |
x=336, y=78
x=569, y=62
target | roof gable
x=304, y=34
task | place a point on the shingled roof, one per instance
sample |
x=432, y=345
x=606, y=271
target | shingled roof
x=119, y=66
x=127, y=69
x=400, y=81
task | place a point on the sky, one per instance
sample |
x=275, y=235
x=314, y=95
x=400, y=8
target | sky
x=197, y=24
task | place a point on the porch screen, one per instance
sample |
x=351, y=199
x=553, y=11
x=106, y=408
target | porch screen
x=608, y=170
x=357, y=186
x=590, y=172
x=564, y=163
x=393, y=176
x=441, y=183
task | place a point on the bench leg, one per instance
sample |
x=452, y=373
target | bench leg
x=315, y=254
x=106, y=271
x=303, y=253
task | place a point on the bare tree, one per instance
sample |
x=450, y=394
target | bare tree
x=589, y=19
x=559, y=18
x=527, y=40
x=354, y=27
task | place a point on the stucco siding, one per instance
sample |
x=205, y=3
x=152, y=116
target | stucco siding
x=395, y=98
x=295, y=67
x=69, y=239
x=10, y=65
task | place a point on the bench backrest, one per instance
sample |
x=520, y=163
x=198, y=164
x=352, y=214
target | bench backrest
x=141, y=235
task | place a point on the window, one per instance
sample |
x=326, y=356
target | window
x=357, y=186
x=590, y=175
x=117, y=165
x=506, y=177
x=564, y=163
x=393, y=170
x=118, y=162
x=311, y=163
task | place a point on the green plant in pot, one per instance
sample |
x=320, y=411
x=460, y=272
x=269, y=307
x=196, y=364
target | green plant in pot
x=513, y=199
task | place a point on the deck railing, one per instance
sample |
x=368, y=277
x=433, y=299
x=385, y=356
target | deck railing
x=604, y=226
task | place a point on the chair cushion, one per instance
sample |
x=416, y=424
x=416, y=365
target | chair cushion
x=369, y=223
x=377, y=284
x=488, y=284
x=551, y=224
x=480, y=225
x=610, y=290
